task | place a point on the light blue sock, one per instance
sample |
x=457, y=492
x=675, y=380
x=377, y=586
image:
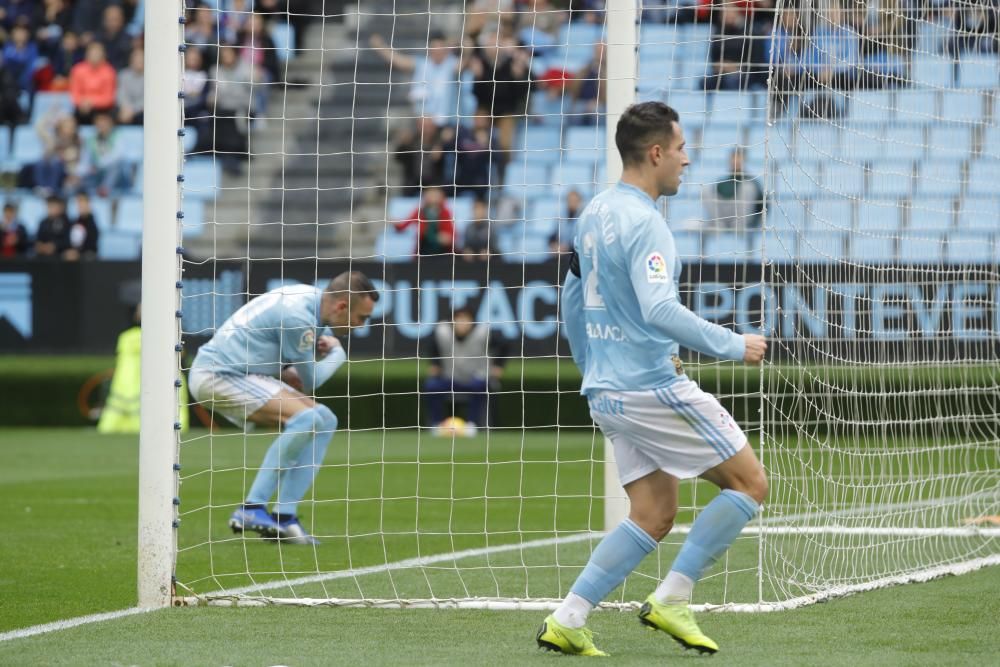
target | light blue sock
x=713, y=532
x=615, y=557
x=296, y=480
x=302, y=430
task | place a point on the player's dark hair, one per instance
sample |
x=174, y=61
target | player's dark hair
x=641, y=126
x=353, y=284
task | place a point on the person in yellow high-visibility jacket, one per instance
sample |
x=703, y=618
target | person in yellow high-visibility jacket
x=121, y=409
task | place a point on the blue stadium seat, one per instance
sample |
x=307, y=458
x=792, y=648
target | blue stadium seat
x=400, y=207
x=737, y=108
x=963, y=106
x=891, y=179
x=461, y=211
x=656, y=67
x=844, y=179
x=524, y=178
x=581, y=177
x=817, y=141
x=917, y=106
x=787, y=214
x=658, y=33
x=129, y=216
x=878, y=216
x=930, y=215
x=832, y=214
x=951, y=140
x=939, y=179
x=27, y=146
x=4, y=146
x=542, y=210
x=979, y=71
x=30, y=210
x=870, y=249
x=726, y=248
x=99, y=206
x=54, y=103
x=862, y=143
x=593, y=137
x=979, y=213
x=932, y=71
x=283, y=36
x=685, y=212
x=779, y=246
x=130, y=137
x=719, y=137
x=690, y=104
x=688, y=245
x=799, y=179
x=872, y=107
x=202, y=177
x=905, y=142
x=539, y=138
x=984, y=177
x=970, y=248
x=924, y=249
x=193, y=224
x=393, y=246
x=821, y=247
x=190, y=138
x=119, y=246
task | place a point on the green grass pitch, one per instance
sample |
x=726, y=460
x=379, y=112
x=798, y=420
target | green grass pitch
x=69, y=550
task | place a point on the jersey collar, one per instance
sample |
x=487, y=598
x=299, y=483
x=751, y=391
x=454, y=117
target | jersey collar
x=631, y=189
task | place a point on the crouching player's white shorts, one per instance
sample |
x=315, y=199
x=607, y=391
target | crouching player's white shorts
x=234, y=396
x=679, y=429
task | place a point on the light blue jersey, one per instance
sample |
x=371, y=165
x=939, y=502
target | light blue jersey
x=271, y=331
x=623, y=317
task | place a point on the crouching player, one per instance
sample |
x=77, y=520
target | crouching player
x=625, y=323
x=263, y=366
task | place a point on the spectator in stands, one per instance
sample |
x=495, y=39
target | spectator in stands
x=230, y=100
x=87, y=18
x=503, y=80
x=734, y=203
x=117, y=43
x=466, y=361
x=24, y=12
x=259, y=50
x=479, y=240
x=434, y=82
x=885, y=41
x=59, y=169
x=195, y=84
x=14, y=240
x=835, y=50
x=734, y=61
x=11, y=112
x=56, y=21
x=130, y=90
x=83, y=233
x=589, y=93
x=52, y=239
x=200, y=28
x=92, y=84
x=785, y=51
x=561, y=240
x=62, y=58
x=974, y=28
x=104, y=166
x=435, y=224
x=421, y=153
x=475, y=163
x=20, y=56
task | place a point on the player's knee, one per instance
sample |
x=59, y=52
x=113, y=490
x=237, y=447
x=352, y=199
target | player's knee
x=757, y=485
x=656, y=522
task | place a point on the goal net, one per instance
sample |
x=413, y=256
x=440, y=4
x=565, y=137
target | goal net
x=838, y=200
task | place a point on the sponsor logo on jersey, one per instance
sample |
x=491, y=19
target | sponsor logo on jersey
x=656, y=269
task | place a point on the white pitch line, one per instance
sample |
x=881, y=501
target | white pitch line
x=70, y=623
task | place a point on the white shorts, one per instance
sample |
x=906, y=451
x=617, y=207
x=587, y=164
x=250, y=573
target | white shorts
x=679, y=429
x=233, y=396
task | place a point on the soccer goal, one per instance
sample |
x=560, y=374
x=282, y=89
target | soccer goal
x=840, y=199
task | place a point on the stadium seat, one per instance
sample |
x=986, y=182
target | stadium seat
x=523, y=177
x=939, y=179
x=832, y=214
x=4, y=146
x=27, y=147
x=821, y=247
x=891, y=180
x=652, y=34
x=119, y=246
x=800, y=180
x=581, y=177
x=951, y=141
x=924, y=249
x=917, y=106
x=984, y=177
x=202, y=177
x=930, y=215
x=787, y=214
x=970, y=248
x=862, y=144
x=656, y=67
x=904, y=142
x=283, y=36
x=685, y=212
x=194, y=217
x=688, y=245
x=45, y=103
x=130, y=137
x=461, y=211
x=817, y=141
x=980, y=213
x=99, y=206
x=932, y=71
x=842, y=179
x=129, y=216
x=400, y=207
x=393, y=246
x=979, y=71
x=30, y=210
x=736, y=108
x=870, y=107
x=729, y=248
x=870, y=249
x=962, y=106
x=878, y=216
x=539, y=138
x=690, y=104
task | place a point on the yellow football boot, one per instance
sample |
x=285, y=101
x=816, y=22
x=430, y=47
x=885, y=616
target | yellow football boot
x=678, y=622
x=554, y=636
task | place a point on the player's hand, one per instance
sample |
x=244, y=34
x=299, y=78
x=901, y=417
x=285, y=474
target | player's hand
x=291, y=377
x=756, y=347
x=325, y=345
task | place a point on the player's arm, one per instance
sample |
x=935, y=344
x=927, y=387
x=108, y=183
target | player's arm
x=651, y=256
x=571, y=305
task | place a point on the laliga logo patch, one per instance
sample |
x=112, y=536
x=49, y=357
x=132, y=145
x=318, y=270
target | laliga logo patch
x=656, y=269
x=307, y=341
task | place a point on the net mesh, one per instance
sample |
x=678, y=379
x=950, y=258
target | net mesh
x=836, y=201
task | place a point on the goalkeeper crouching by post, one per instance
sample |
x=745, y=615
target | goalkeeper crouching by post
x=625, y=324
x=263, y=366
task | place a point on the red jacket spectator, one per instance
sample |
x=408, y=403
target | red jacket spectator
x=436, y=233
x=92, y=82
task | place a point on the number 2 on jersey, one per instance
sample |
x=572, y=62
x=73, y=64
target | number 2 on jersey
x=592, y=298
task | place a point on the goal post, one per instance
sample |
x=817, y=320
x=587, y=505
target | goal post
x=162, y=160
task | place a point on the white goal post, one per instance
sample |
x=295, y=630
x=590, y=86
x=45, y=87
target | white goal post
x=871, y=267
